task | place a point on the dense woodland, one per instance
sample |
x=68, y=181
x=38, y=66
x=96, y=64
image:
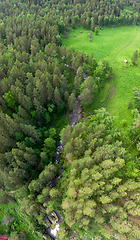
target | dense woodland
x=99, y=190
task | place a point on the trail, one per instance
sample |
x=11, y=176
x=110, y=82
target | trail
x=112, y=88
x=75, y=115
x=123, y=48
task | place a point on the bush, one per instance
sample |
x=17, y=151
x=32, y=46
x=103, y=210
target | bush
x=129, y=105
x=124, y=123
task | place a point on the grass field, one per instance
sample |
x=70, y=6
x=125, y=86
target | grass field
x=116, y=44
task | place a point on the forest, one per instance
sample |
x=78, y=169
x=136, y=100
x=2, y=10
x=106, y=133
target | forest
x=94, y=183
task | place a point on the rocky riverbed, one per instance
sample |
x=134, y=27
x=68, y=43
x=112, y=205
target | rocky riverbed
x=75, y=115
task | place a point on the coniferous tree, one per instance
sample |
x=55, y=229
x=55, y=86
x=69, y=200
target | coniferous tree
x=95, y=180
x=71, y=101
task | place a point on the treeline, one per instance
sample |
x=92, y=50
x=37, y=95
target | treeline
x=101, y=189
x=30, y=101
x=36, y=88
x=62, y=14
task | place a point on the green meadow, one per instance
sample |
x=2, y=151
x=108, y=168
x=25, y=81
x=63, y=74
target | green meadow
x=115, y=44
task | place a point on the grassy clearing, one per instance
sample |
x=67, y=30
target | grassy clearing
x=102, y=95
x=106, y=44
x=126, y=80
x=116, y=44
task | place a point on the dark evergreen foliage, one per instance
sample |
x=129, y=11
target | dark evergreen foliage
x=39, y=82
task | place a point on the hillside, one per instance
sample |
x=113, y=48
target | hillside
x=60, y=149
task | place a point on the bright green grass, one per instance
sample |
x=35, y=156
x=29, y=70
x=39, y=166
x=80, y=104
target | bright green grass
x=112, y=44
x=106, y=44
x=102, y=95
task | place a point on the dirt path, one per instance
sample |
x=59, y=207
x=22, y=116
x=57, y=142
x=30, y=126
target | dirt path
x=111, y=92
x=112, y=88
x=75, y=115
x=123, y=48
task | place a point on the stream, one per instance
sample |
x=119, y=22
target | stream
x=73, y=117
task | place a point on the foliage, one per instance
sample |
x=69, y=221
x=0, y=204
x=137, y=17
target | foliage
x=126, y=76
x=136, y=93
x=36, y=89
x=95, y=186
x=9, y=98
x=135, y=57
x=96, y=31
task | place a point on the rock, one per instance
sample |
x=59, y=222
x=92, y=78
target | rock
x=85, y=76
x=8, y=219
x=116, y=236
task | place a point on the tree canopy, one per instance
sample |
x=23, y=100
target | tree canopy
x=96, y=180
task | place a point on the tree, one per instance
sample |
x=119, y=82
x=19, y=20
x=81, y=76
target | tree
x=90, y=59
x=96, y=31
x=89, y=90
x=92, y=24
x=57, y=97
x=49, y=146
x=135, y=57
x=17, y=236
x=50, y=91
x=10, y=100
x=19, y=136
x=136, y=93
x=73, y=22
x=100, y=23
x=96, y=189
x=17, y=71
x=86, y=97
x=103, y=70
x=38, y=107
x=61, y=26
x=58, y=40
x=30, y=131
x=34, y=46
x=71, y=101
x=65, y=134
x=45, y=177
x=87, y=23
x=22, y=112
x=41, y=90
x=9, y=124
x=94, y=64
x=106, y=20
x=55, y=81
x=79, y=72
x=63, y=86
